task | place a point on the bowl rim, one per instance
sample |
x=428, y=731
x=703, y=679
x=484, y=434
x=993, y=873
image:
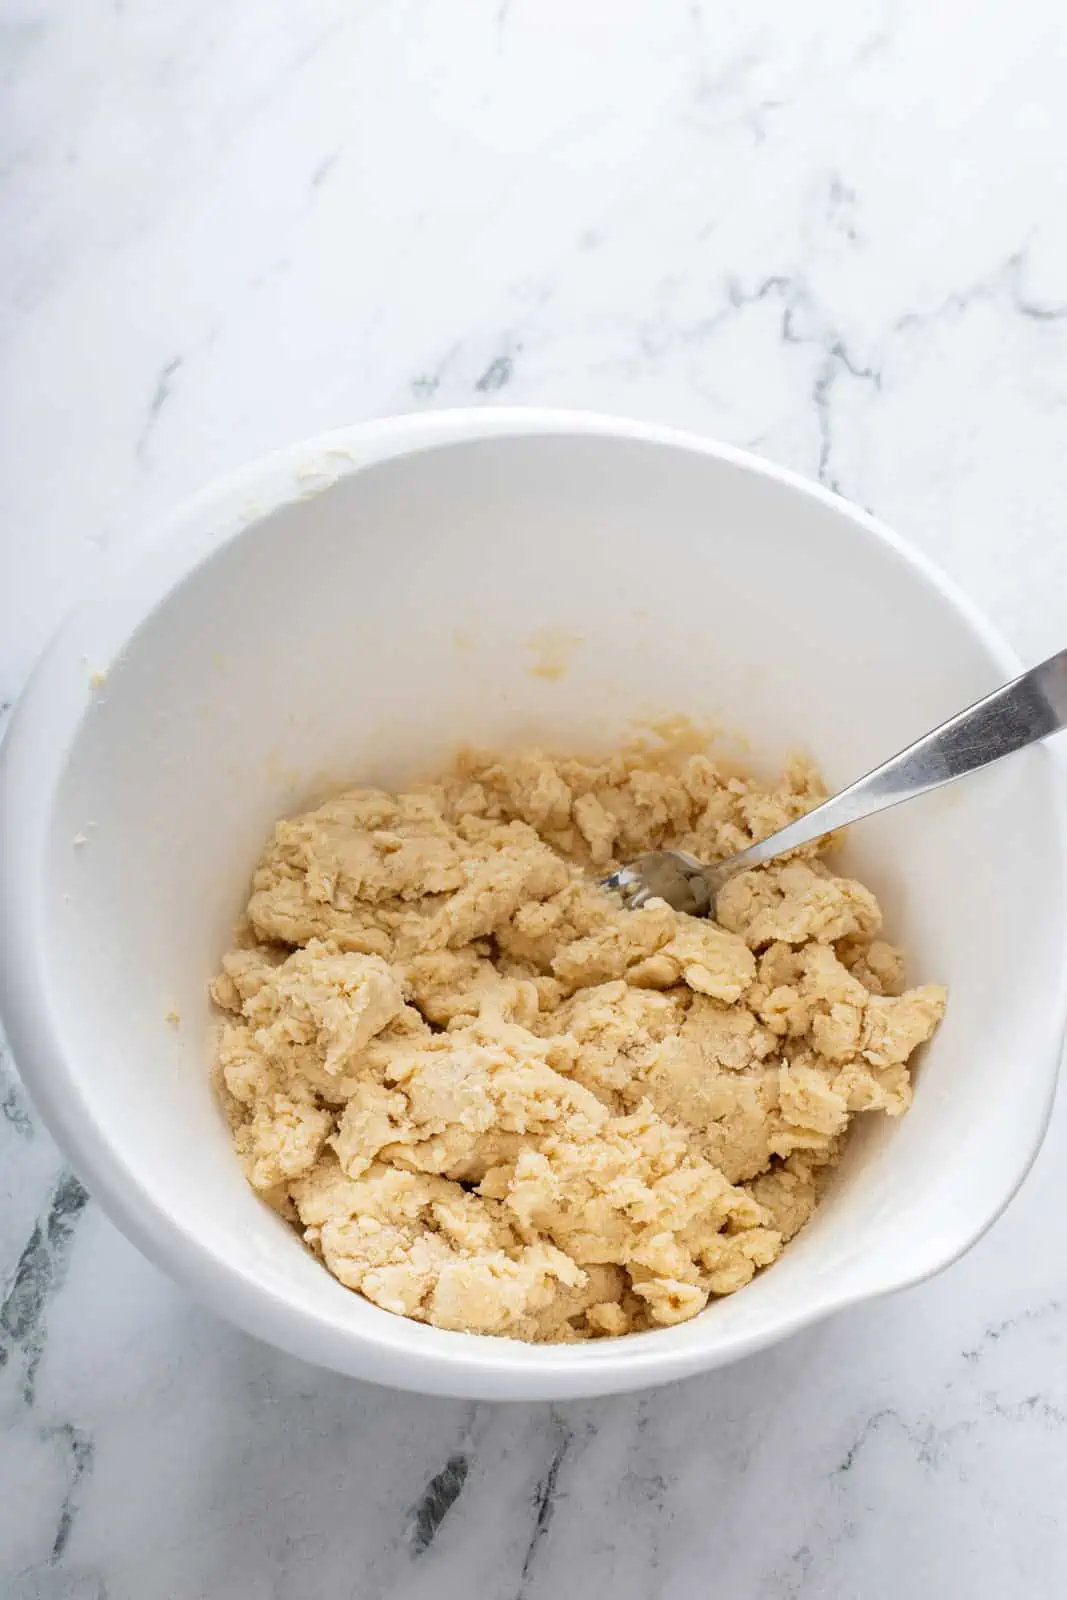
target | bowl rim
x=131, y=582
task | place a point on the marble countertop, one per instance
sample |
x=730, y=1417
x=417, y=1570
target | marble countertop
x=833, y=233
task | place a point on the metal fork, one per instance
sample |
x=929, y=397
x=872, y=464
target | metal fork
x=1030, y=708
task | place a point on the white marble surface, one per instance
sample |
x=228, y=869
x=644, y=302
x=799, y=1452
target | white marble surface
x=834, y=232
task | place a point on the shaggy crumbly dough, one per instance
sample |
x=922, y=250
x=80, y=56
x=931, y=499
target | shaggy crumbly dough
x=492, y=1099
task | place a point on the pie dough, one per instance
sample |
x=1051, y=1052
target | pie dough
x=492, y=1099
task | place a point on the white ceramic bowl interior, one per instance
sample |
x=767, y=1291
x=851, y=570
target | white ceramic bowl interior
x=352, y=611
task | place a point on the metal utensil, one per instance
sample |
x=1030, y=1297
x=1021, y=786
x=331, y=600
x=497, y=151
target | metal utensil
x=1029, y=708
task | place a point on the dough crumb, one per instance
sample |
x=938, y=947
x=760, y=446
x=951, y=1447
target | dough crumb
x=492, y=1099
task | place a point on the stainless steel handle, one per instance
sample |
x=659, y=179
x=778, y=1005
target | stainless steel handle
x=1028, y=709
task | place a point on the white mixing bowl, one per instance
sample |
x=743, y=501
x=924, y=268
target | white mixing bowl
x=355, y=608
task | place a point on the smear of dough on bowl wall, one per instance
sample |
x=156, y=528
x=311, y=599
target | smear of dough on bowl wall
x=492, y=1099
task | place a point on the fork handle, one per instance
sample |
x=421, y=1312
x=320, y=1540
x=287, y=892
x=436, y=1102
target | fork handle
x=1029, y=708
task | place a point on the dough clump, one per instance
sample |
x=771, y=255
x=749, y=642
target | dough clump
x=492, y=1099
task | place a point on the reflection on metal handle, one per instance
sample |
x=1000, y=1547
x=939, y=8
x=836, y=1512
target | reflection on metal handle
x=1022, y=712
